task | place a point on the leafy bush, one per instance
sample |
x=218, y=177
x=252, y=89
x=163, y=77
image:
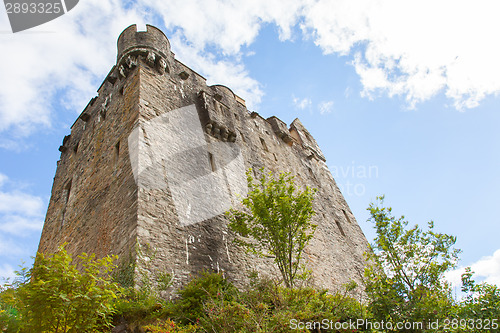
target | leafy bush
x=138, y=305
x=480, y=306
x=54, y=296
x=9, y=316
x=57, y=297
x=215, y=305
x=189, y=308
x=169, y=326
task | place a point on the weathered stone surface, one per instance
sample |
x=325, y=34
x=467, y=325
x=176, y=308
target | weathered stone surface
x=160, y=155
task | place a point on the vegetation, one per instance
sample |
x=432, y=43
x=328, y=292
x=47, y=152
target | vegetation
x=208, y=303
x=277, y=217
x=212, y=304
x=54, y=296
x=9, y=315
x=481, y=303
x=404, y=280
x=404, y=284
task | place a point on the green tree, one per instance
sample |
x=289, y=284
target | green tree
x=481, y=303
x=58, y=297
x=277, y=216
x=404, y=277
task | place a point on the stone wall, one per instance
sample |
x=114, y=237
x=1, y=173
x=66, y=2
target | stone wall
x=160, y=156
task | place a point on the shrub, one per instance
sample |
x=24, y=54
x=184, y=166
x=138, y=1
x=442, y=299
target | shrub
x=480, y=306
x=138, y=305
x=265, y=306
x=9, y=316
x=190, y=307
x=169, y=326
x=60, y=298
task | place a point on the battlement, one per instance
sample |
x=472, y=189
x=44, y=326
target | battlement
x=153, y=39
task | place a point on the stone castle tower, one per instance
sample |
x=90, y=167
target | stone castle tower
x=157, y=157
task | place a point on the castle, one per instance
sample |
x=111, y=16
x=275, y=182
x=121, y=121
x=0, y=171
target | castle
x=157, y=157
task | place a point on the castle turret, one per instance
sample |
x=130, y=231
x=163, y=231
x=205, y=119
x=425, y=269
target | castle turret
x=153, y=39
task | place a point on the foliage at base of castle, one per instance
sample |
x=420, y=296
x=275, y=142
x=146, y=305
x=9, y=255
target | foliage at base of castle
x=55, y=296
x=276, y=216
x=212, y=304
x=404, y=284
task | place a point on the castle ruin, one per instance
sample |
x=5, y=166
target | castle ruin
x=157, y=157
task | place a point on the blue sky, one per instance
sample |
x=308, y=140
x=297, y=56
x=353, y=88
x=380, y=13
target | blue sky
x=402, y=98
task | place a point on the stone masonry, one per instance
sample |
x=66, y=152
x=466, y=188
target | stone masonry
x=155, y=159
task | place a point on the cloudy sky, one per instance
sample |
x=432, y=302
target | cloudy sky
x=401, y=96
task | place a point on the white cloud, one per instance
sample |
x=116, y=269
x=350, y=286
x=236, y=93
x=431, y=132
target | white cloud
x=226, y=24
x=21, y=216
x=414, y=49
x=486, y=269
x=325, y=107
x=69, y=55
x=301, y=104
x=7, y=144
x=347, y=92
x=20, y=225
x=16, y=202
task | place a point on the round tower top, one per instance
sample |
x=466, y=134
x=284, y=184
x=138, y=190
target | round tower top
x=153, y=38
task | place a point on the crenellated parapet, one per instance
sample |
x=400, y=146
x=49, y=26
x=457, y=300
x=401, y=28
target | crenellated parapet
x=153, y=39
x=151, y=46
x=280, y=128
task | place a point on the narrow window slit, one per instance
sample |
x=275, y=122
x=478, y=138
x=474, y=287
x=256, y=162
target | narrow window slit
x=66, y=195
x=340, y=228
x=212, y=161
x=117, y=151
x=264, y=145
